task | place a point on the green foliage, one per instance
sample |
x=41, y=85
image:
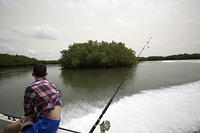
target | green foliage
x=7, y=60
x=184, y=56
x=93, y=54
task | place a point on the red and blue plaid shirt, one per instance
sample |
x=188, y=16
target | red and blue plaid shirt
x=41, y=97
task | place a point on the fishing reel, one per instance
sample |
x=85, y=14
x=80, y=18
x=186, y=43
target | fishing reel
x=104, y=126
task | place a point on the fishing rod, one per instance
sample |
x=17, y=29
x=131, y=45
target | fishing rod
x=146, y=45
x=106, y=107
x=15, y=118
x=110, y=101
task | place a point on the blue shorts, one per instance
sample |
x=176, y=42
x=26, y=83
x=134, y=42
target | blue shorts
x=43, y=125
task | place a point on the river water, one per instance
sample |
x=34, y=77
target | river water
x=157, y=97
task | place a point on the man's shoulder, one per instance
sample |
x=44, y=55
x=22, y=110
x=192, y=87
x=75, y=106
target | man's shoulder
x=35, y=84
x=39, y=83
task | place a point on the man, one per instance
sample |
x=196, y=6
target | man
x=42, y=106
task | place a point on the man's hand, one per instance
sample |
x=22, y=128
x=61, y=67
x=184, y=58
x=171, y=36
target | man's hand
x=26, y=118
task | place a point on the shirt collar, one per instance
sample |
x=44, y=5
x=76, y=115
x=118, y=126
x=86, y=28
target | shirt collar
x=39, y=79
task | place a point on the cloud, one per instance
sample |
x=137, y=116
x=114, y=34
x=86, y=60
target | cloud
x=39, y=32
x=40, y=54
x=10, y=3
x=192, y=21
x=8, y=39
x=89, y=28
x=2, y=2
x=196, y=43
x=6, y=49
x=31, y=51
x=17, y=34
x=118, y=20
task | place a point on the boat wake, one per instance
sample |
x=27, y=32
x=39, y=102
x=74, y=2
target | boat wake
x=174, y=109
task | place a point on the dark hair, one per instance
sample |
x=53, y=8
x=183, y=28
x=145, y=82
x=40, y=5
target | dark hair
x=39, y=70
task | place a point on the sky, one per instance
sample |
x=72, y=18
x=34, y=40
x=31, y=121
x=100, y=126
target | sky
x=43, y=28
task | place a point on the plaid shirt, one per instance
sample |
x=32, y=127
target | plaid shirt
x=41, y=97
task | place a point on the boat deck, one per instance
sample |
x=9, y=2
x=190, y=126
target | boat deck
x=2, y=125
x=4, y=120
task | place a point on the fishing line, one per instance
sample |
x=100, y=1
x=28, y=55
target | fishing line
x=110, y=101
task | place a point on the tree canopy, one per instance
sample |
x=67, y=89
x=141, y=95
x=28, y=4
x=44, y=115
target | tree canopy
x=94, y=54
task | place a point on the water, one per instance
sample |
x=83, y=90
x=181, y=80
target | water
x=168, y=110
x=157, y=97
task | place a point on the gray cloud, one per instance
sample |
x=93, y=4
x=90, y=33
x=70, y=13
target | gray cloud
x=2, y=2
x=8, y=39
x=40, y=54
x=7, y=49
x=39, y=32
x=9, y=3
x=192, y=21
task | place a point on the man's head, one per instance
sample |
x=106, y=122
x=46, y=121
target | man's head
x=39, y=70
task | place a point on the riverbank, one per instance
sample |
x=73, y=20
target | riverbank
x=7, y=60
x=184, y=56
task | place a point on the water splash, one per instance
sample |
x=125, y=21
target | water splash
x=174, y=109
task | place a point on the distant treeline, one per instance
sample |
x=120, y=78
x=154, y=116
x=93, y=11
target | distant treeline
x=94, y=54
x=7, y=60
x=48, y=61
x=184, y=56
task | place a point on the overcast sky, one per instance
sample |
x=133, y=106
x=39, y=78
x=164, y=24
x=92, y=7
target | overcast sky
x=42, y=28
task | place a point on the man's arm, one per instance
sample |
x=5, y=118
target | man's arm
x=28, y=101
x=26, y=118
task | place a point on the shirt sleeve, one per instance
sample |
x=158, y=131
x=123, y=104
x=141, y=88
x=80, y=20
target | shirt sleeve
x=28, y=101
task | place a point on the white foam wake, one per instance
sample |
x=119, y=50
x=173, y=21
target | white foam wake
x=174, y=109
